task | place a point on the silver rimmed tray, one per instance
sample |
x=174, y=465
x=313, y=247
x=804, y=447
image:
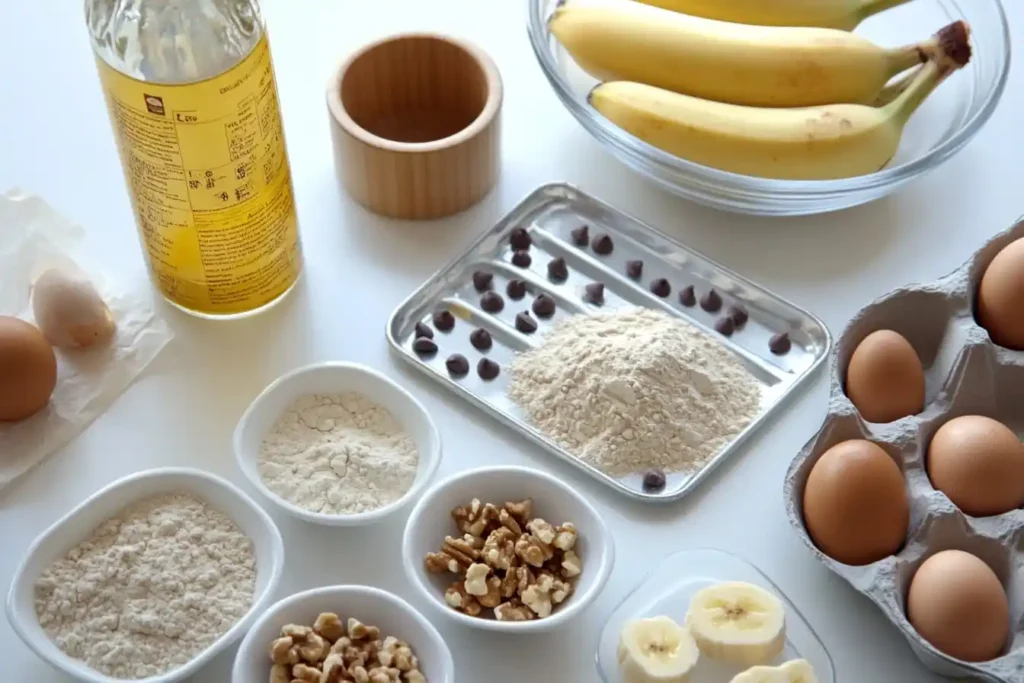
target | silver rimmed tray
x=550, y=214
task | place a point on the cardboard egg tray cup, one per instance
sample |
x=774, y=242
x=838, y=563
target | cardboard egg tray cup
x=965, y=374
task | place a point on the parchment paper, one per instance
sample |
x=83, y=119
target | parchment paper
x=33, y=237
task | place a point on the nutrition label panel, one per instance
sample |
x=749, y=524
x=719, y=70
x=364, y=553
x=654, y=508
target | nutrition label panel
x=207, y=170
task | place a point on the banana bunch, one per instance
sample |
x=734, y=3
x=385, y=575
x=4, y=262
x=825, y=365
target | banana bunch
x=785, y=102
x=732, y=621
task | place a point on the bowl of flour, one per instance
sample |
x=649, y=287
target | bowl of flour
x=337, y=444
x=147, y=580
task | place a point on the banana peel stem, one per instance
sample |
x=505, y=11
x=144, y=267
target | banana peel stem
x=953, y=52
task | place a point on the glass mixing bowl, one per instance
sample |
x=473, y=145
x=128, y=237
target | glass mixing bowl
x=937, y=131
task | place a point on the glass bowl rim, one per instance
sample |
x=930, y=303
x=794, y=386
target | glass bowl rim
x=605, y=131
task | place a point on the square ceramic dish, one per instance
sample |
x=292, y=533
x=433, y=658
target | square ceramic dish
x=550, y=215
x=667, y=591
x=76, y=527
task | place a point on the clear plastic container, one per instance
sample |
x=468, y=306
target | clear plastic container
x=937, y=131
x=667, y=591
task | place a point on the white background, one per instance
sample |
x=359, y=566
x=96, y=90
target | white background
x=55, y=140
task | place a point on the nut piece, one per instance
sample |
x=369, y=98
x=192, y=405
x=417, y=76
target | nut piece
x=281, y=652
x=492, y=598
x=499, y=551
x=521, y=511
x=476, y=579
x=565, y=539
x=510, y=522
x=510, y=611
x=359, y=674
x=414, y=676
x=571, y=564
x=329, y=626
x=357, y=630
x=296, y=632
x=475, y=518
x=334, y=669
x=306, y=674
x=538, y=597
x=280, y=673
x=457, y=597
x=532, y=551
x=314, y=649
x=542, y=530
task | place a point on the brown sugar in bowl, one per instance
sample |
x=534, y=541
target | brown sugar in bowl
x=416, y=125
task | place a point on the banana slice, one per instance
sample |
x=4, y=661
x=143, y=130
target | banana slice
x=795, y=671
x=738, y=622
x=656, y=650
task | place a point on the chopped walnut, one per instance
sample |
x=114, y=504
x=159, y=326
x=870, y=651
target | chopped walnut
x=542, y=530
x=314, y=650
x=565, y=539
x=281, y=673
x=281, y=651
x=538, y=596
x=329, y=626
x=492, y=598
x=414, y=676
x=457, y=597
x=524, y=578
x=476, y=579
x=532, y=551
x=359, y=674
x=510, y=611
x=296, y=632
x=475, y=518
x=306, y=674
x=510, y=522
x=499, y=551
x=521, y=511
x=510, y=584
x=341, y=644
x=333, y=669
x=360, y=631
x=571, y=564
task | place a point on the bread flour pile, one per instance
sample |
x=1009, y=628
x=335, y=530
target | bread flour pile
x=338, y=455
x=635, y=389
x=153, y=587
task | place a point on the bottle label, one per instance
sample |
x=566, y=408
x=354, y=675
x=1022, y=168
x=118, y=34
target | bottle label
x=207, y=171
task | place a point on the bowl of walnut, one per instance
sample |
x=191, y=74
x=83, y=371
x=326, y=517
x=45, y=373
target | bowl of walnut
x=340, y=634
x=507, y=549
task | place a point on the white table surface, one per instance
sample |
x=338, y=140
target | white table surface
x=55, y=140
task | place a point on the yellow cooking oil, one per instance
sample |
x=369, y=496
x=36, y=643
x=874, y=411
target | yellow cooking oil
x=192, y=99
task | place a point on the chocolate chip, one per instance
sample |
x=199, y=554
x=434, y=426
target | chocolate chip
x=654, y=480
x=457, y=365
x=520, y=239
x=424, y=346
x=725, y=326
x=522, y=259
x=480, y=339
x=687, y=297
x=557, y=270
x=482, y=281
x=594, y=293
x=780, y=344
x=635, y=269
x=603, y=245
x=661, y=287
x=487, y=369
x=739, y=316
x=424, y=331
x=525, y=323
x=492, y=302
x=444, y=321
x=581, y=236
x=544, y=306
x=711, y=302
x=516, y=289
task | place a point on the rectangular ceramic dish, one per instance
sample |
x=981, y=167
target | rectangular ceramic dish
x=550, y=215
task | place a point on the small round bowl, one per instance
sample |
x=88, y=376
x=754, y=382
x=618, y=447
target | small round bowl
x=372, y=606
x=415, y=124
x=553, y=500
x=335, y=378
x=939, y=129
x=76, y=527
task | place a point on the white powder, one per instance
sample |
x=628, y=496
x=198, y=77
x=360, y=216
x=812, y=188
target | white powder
x=152, y=588
x=338, y=454
x=635, y=389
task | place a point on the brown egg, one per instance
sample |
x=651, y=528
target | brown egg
x=884, y=378
x=957, y=604
x=979, y=463
x=28, y=369
x=855, y=503
x=1001, y=297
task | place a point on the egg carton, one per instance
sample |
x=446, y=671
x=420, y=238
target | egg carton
x=965, y=374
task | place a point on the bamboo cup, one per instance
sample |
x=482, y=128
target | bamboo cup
x=415, y=122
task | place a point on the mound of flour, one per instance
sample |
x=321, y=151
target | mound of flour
x=635, y=389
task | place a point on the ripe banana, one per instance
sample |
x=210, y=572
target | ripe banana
x=750, y=65
x=795, y=671
x=839, y=14
x=738, y=622
x=656, y=650
x=813, y=143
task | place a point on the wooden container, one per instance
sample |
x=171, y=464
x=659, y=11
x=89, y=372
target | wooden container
x=416, y=125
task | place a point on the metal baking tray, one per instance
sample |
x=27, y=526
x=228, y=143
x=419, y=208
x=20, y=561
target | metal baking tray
x=550, y=214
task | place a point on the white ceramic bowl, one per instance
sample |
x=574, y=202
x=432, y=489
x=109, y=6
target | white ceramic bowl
x=78, y=525
x=334, y=378
x=553, y=500
x=392, y=615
